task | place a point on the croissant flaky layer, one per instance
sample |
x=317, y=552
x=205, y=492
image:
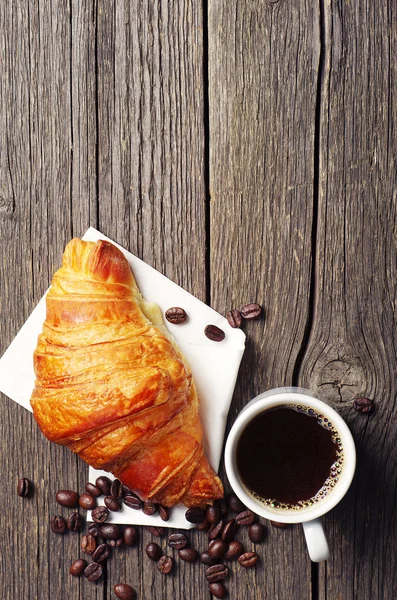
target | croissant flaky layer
x=112, y=386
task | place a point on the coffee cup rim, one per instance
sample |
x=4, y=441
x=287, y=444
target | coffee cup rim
x=278, y=397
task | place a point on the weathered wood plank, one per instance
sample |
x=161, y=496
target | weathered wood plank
x=263, y=61
x=352, y=348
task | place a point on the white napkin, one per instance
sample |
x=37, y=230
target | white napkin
x=214, y=365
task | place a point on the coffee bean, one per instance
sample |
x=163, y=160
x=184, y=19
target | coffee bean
x=133, y=501
x=176, y=315
x=77, y=567
x=130, y=535
x=204, y=526
x=149, y=508
x=234, y=318
x=93, y=572
x=234, y=550
x=215, y=530
x=109, y=531
x=217, y=549
x=177, y=541
x=188, y=554
x=93, y=530
x=251, y=311
x=214, y=333
x=93, y=490
x=112, y=504
x=235, y=504
x=127, y=490
x=124, y=591
x=248, y=559
x=116, y=489
x=207, y=559
x=163, y=512
x=256, y=533
x=246, y=517
x=279, y=525
x=67, y=498
x=363, y=405
x=88, y=544
x=115, y=543
x=229, y=531
x=58, y=524
x=218, y=590
x=213, y=513
x=87, y=501
x=23, y=487
x=195, y=515
x=75, y=521
x=164, y=565
x=100, y=514
x=157, y=531
x=216, y=573
x=153, y=551
x=101, y=553
x=104, y=484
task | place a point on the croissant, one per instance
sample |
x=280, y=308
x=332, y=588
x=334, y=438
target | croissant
x=111, y=384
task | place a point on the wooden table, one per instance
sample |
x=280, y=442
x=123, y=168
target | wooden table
x=247, y=149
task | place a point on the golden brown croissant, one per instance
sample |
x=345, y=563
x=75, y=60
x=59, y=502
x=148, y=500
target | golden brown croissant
x=112, y=386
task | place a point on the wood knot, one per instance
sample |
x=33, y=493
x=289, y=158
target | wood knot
x=7, y=205
x=338, y=381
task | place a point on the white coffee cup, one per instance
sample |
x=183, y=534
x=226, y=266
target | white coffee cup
x=308, y=516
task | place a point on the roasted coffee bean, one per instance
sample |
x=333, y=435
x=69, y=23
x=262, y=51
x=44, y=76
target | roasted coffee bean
x=164, y=565
x=124, y=591
x=279, y=525
x=67, y=498
x=110, y=531
x=116, y=543
x=218, y=590
x=235, y=504
x=93, y=530
x=104, y=484
x=93, y=490
x=251, y=311
x=207, y=559
x=77, y=567
x=58, y=524
x=100, y=514
x=130, y=535
x=157, y=531
x=216, y=573
x=234, y=318
x=149, y=508
x=112, y=504
x=248, y=559
x=177, y=541
x=153, y=551
x=214, y=333
x=75, y=521
x=88, y=544
x=195, y=515
x=229, y=531
x=234, y=550
x=247, y=517
x=217, y=549
x=213, y=513
x=164, y=512
x=215, y=530
x=87, y=501
x=116, y=489
x=101, y=553
x=256, y=533
x=204, y=526
x=188, y=554
x=176, y=315
x=23, y=487
x=93, y=572
x=133, y=501
x=363, y=405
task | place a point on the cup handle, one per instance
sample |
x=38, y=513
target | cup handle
x=316, y=541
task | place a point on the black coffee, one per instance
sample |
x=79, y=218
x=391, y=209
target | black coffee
x=289, y=456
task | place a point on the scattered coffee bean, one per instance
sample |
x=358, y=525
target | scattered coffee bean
x=149, y=508
x=279, y=525
x=116, y=489
x=164, y=565
x=247, y=517
x=156, y=531
x=177, y=541
x=112, y=504
x=100, y=514
x=248, y=559
x=104, y=484
x=176, y=315
x=234, y=318
x=235, y=504
x=363, y=405
x=256, y=532
x=101, y=553
x=216, y=573
x=153, y=551
x=93, y=572
x=87, y=501
x=207, y=559
x=213, y=513
x=217, y=549
x=251, y=311
x=124, y=591
x=130, y=535
x=133, y=501
x=164, y=512
x=215, y=530
x=218, y=590
x=110, y=531
x=23, y=487
x=115, y=543
x=229, y=531
x=214, y=333
x=204, y=526
x=93, y=490
x=67, y=498
x=58, y=524
x=88, y=544
x=77, y=567
x=195, y=515
x=234, y=550
x=93, y=530
x=75, y=521
x=188, y=554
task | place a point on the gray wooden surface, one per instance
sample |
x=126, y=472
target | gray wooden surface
x=247, y=150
